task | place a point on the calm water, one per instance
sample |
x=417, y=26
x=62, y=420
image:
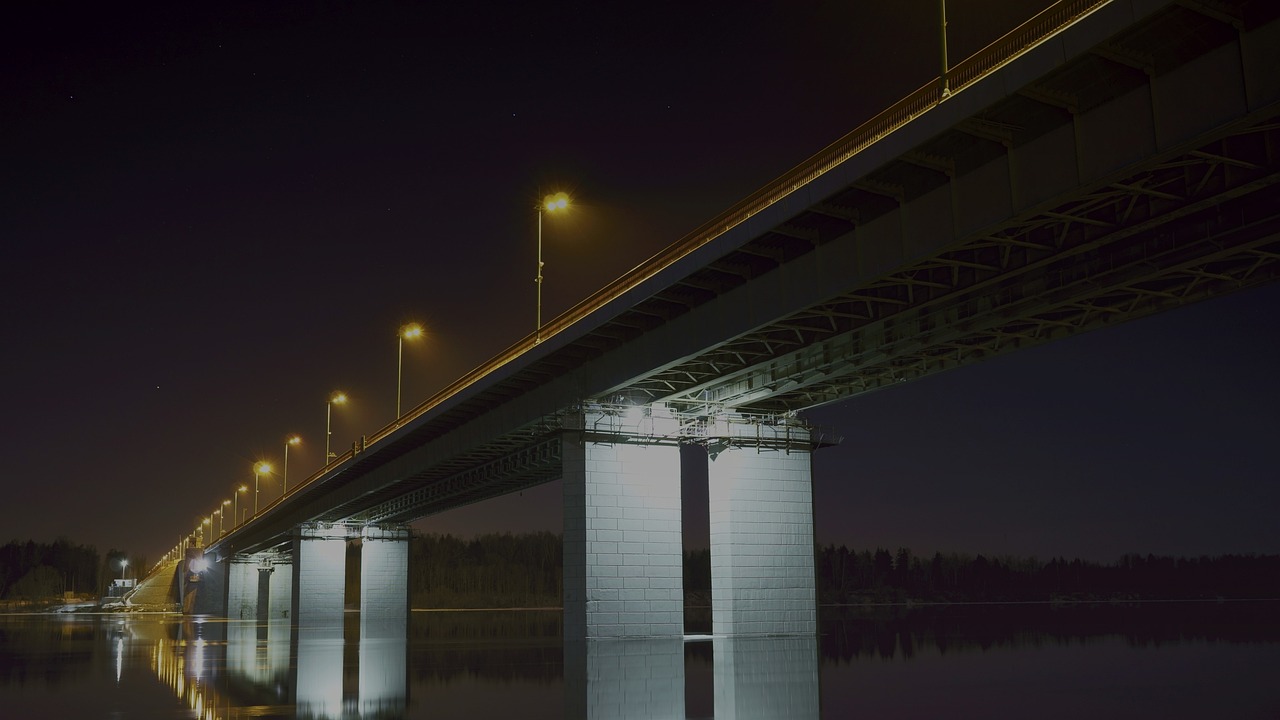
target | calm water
x=1176, y=660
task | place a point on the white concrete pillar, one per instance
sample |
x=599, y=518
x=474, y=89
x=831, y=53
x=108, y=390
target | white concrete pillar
x=622, y=545
x=766, y=678
x=280, y=591
x=761, y=502
x=319, y=576
x=242, y=587
x=384, y=574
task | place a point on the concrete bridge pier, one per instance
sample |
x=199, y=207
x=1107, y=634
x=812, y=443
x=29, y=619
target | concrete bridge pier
x=623, y=572
x=761, y=504
x=242, y=587
x=259, y=586
x=384, y=574
x=319, y=577
x=280, y=588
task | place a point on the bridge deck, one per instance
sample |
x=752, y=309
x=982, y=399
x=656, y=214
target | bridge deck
x=1103, y=161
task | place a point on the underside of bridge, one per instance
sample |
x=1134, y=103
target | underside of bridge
x=1105, y=161
x=1139, y=176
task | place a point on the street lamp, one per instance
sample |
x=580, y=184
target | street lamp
x=284, y=482
x=223, y=517
x=411, y=331
x=259, y=470
x=337, y=398
x=551, y=203
x=205, y=521
x=124, y=563
x=236, y=506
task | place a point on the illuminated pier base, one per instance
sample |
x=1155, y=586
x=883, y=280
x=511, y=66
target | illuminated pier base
x=761, y=504
x=319, y=577
x=280, y=591
x=242, y=587
x=622, y=544
x=384, y=574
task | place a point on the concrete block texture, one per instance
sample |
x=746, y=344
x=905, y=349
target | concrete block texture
x=242, y=587
x=762, y=575
x=622, y=535
x=319, y=578
x=384, y=574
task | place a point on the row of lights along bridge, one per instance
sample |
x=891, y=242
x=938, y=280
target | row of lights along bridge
x=412, y=331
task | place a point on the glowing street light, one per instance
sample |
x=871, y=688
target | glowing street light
x=205, y=521
x=124, y=563
x=551, y=204
x=337, y=398
x=222, y=525
x=284, y=481
x=259, y=470
x=236, y=504
x=411, y=331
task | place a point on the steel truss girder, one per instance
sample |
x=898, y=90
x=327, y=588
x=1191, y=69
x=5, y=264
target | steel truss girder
x=525, y=467
x=1110, y=213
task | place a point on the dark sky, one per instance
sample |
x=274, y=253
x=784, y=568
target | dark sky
x=213, y=215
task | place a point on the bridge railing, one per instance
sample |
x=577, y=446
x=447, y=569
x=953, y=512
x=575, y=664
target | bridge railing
x=973, y=68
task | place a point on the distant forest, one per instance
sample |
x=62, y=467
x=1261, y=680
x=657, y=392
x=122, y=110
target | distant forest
x=503, y=570
x=35, y=571
x=845, y=576
x=526, y=571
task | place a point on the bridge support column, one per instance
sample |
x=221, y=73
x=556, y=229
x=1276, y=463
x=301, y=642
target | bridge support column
x=761, y=503
x=622, y=544
x=319, y=576
x=242, y=587
x=384, y=574
x=280, y=590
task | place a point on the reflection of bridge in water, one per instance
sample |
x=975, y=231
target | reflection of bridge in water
x=1107, y=160
x=223, y=669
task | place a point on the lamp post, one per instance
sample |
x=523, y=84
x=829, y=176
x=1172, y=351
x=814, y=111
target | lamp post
x=551, y=203
x=236, y=505
x=259, y=470
x=206, y=521
x=124, y=563
x=337, y=398
x=284, y=480
x=222, y=519
x=411, y=331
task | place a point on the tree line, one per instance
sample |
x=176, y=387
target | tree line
x=493, y=570
x=33, y=571
x=527, y=571
x=845, y=576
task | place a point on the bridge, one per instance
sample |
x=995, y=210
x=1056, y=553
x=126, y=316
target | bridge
x=1106, y=160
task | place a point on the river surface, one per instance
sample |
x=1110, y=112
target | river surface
x=1164, y=660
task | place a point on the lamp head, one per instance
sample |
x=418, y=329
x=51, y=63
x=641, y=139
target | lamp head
x=411, y=331
x=558, y=201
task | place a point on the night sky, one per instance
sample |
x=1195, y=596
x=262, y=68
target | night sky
x=215, y=214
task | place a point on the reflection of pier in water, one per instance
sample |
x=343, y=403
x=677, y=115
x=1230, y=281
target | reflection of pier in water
x=755, y=678
x=223, y=669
